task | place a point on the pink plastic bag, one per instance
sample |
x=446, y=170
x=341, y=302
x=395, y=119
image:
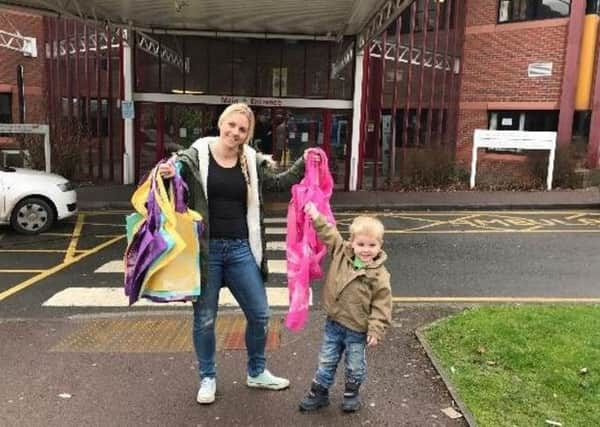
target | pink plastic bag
x=304, y=250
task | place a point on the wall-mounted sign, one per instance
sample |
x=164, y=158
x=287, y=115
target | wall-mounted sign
x=262, y=102
x=127, y=110
x=539, y=69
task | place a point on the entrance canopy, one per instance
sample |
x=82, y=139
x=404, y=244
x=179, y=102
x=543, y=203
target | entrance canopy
x=308, y=17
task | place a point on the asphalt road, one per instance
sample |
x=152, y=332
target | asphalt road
x=433, y=257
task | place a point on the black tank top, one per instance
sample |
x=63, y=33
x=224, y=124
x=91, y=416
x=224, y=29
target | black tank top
x=227, y=201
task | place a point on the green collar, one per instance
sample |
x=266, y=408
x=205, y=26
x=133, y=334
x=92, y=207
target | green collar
x=357, y=263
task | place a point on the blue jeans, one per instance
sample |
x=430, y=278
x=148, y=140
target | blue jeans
x=231, y=263
x=337, y=340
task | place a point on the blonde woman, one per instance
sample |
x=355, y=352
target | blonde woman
x=226, y=177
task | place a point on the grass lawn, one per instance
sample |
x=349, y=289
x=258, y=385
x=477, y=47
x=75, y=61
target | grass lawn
x=521, y=365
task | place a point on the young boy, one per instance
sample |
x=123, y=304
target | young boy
x=358, y=300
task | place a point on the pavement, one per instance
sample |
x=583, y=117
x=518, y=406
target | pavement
x=72, y=371
x=118, y=196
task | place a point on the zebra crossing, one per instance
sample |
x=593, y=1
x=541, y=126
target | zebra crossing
x=113, y=295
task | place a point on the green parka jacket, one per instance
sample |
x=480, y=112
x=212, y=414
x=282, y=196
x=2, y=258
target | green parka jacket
x=360, y=300
x=194, y=171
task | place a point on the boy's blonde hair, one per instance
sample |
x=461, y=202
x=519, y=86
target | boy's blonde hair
x=368, y=225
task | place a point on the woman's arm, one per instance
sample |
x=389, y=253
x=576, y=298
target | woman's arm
x=282, y=181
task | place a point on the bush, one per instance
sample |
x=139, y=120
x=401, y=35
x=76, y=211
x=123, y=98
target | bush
x=566, y=163
x=428, y=168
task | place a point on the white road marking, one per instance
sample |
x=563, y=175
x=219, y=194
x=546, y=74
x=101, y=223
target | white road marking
x=116, y=266
x=275, y=220
x=275, y=266
x=115, y=297
x=276, y=246
x=276, y=230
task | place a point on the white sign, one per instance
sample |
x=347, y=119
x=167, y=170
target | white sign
x=524, y=140
x=22, y=128
x=539, y=69
x=31, y=128
x=334, y=104
x=506, y=121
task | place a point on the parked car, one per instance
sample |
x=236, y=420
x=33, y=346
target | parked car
x=31, y=201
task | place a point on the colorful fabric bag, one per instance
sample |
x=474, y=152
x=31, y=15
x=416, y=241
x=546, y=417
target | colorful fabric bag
x=304, y=250
x=168, y=267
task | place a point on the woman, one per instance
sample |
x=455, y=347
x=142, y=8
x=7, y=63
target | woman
x=226, y=177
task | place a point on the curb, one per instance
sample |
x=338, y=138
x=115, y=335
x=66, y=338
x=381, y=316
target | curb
x=88, y=205
x=468, y=416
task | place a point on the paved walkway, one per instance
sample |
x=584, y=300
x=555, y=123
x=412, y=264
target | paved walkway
x=57, y=373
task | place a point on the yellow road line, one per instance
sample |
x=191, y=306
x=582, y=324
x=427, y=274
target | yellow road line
x=479, y=231
x=106, y=224
x=459, y=212
x=21, y=271
x=75, y=238
x=497, y=299
x=33, y=250
x=109, y=212
x=51, y=271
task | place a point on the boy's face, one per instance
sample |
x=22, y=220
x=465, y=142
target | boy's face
x=365, y=247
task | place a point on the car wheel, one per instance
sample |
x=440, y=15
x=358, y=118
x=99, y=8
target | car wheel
x=32, y=216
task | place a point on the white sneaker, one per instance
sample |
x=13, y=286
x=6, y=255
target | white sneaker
x=208, y=388
x=267, y=380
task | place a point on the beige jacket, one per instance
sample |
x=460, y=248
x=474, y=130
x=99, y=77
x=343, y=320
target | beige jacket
x=360, y=300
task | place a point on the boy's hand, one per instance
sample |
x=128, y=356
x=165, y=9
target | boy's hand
x=311, y=210
x=372, y=341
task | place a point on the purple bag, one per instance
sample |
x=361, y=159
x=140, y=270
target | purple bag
x=146, y=245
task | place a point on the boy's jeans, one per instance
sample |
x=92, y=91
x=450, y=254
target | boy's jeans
x=231, y=263
x=336, y=340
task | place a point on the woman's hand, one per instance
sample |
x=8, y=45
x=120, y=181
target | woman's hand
x=311, y=210
x=167, y=170
x=270, y=162
x=314, y=157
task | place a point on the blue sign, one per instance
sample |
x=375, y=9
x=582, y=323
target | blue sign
x=127, y=110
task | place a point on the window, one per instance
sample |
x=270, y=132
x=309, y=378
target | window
x=592, y=6
x=524, y=120
x=5, y=108
x=526, y=10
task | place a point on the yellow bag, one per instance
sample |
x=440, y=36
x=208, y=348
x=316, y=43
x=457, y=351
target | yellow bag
x=175, y=275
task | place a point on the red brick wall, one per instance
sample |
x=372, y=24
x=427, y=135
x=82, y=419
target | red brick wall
x=495, y=61
x=481, y=12
x=34, y=74
x=469, y=120
x=495, y=65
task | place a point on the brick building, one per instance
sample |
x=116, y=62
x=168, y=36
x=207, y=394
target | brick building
x=450, y=67
x=34, y=77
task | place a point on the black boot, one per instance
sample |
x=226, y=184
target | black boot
x=351, y=401
x=317, y=397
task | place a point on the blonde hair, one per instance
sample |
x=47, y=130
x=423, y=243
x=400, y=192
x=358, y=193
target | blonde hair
x=367, y=225
x=241, y=108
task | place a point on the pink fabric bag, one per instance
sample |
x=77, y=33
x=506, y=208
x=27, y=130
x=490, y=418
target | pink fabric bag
x=304, y=250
